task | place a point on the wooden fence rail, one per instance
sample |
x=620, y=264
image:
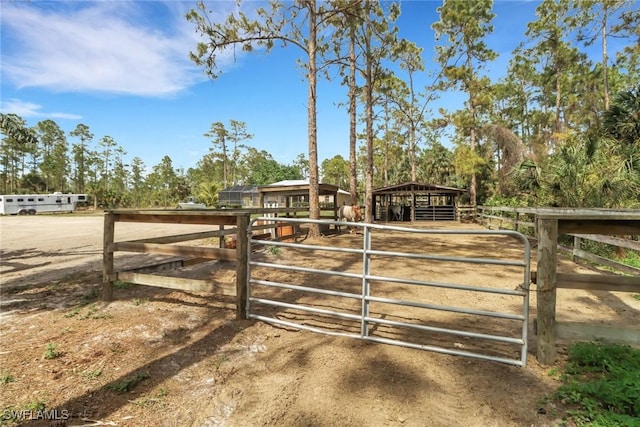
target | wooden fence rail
x=163, y=246
x=593, y=224
x=227, y=222
x=524, y=220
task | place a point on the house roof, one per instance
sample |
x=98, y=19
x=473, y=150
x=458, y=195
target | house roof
x=418, y=187
x=297, y=187
x=241, y=189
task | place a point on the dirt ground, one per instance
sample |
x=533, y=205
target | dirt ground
x=159, y=357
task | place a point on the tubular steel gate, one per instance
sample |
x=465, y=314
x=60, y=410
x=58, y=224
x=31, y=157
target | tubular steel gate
x=412, y=287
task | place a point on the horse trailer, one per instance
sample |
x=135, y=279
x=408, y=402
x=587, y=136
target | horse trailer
x=30, y=204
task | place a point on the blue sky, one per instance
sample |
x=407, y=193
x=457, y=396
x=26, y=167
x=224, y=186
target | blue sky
x=122, y=68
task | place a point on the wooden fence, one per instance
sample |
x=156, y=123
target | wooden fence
x=547, y=225
x=524, y=220
x=224, y=223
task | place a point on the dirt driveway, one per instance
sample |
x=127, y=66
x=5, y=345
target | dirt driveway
x=157, y=357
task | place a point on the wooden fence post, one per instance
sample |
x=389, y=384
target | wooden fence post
x=546, y=287
x=221, y=241
x=576, y=248
x=242, y=266
x=107, y=256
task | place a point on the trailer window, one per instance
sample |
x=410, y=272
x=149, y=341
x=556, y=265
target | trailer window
x=8, y=200
x=81, y=197
x=40, y=199
x=58, y=200
x=21, y=200
x=31, y=200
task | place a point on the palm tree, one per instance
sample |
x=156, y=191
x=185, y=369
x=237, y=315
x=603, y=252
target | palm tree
x=622, y=119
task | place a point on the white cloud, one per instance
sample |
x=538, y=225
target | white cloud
x=101, y=46
x=29, y=109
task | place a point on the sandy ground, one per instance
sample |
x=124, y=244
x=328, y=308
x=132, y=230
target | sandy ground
x=157, y=357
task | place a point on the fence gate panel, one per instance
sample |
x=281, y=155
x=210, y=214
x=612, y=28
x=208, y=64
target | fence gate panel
x=459, y=292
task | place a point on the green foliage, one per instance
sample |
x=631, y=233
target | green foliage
x=601, y=385
x=92, y=374
x=273, y=250
x=127, y=384
x=6, y=378
x=51, y=352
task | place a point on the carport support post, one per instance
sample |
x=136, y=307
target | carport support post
x=242, y=266
x=107, y=256
x=546, y=281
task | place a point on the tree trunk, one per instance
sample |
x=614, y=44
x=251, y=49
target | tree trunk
x=605, y=59
x=368, y=217
x=473, y=194
x=314, y=196
x=353, y=180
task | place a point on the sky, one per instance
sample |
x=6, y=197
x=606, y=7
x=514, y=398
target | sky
x=122, y=68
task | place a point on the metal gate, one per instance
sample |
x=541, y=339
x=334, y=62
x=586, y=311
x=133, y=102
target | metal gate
x=396, y=285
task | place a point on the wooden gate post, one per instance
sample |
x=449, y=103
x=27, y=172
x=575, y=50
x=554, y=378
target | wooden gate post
x=242, y=266
x=107, y=256
x=546, y=281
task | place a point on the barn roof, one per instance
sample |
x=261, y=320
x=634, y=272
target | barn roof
x=418, y=187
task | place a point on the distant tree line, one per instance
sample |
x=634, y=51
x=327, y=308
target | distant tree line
x=43, y=159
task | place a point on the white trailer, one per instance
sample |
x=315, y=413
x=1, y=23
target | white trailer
x=30, y=204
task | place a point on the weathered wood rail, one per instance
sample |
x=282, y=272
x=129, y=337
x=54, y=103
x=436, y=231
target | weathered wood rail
x=164, y=246
x=547, y=225
x=225, y=222
x=524, y=220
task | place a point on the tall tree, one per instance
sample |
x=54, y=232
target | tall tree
x=335, y=171
x=54, y=154
x=410, y=57
x=80, y=151
x=465, y=24
x=219, y=136
x=299, y=24
x=593, y=19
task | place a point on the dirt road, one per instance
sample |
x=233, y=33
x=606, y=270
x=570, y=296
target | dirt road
x=40, y=248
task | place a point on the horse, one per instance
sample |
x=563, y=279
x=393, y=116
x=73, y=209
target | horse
x=350, y=213
x=397, y=212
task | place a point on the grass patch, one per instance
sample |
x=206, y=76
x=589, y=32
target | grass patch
x=118, y=284
x=92, y=374
x=601, y=385
x=90, y=296
x=637, y=297
x=6, y=378
x=127, y=384
x=138, y=301
x=51, y=352
x=91, y=313
x=274, y=250
x=156, y=399
x=72, y=313
x=631, y=258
